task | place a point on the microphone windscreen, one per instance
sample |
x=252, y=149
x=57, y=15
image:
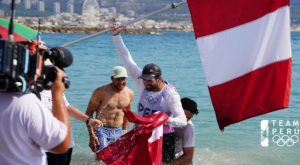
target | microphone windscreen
x=62, y=57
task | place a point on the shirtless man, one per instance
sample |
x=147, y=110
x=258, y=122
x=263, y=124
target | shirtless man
x=108, y=101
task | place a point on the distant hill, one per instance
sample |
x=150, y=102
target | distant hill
x=140, y=7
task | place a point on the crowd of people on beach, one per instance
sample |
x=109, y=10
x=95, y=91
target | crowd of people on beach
x=38, y=130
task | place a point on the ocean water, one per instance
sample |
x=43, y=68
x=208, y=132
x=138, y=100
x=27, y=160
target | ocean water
x=177, y=54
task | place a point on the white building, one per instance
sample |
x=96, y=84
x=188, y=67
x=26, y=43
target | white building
x=2, y=13
x=41, y=6
x=70, y=8
x=56, y=7
x=27, y=4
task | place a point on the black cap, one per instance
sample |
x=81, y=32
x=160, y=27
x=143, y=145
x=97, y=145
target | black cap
x=190, y=105
x=150, y=71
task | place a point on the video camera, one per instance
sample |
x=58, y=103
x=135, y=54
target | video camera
x=23, y=69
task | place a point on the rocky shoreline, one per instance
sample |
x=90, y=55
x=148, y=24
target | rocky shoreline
x=58, y=29
x=295, y=27
x=64, y=29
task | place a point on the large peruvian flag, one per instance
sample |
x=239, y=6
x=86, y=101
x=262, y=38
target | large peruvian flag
x=142, y=145
x=245, y=49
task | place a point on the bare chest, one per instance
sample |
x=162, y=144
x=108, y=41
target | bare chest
x=117, y=101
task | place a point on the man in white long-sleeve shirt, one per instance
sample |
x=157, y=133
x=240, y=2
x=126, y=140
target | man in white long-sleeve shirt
x=155, y=94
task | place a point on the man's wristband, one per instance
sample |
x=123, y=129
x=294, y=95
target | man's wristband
x=87, y=121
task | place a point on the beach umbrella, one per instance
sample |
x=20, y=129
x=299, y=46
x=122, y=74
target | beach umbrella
x=22, y=33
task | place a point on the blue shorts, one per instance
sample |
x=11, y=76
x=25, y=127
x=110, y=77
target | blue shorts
x=107, y=135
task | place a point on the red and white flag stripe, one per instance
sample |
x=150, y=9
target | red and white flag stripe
x=245, y=51
x=155, y=145
x=142, y=145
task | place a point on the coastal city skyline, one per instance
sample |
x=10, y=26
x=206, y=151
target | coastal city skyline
x=126, y=7
x=48, y=7
x=100, y=14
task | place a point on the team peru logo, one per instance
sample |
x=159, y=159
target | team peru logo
x=282, y=133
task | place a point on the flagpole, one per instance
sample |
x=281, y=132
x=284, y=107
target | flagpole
x=172, y=6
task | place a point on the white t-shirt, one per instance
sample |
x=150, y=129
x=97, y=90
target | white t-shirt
x=184, y=137
x=26, y=129
x=172, y=105
x=46, y=98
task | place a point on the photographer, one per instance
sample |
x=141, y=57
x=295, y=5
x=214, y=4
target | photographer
x=46, y=98
x=27, y=127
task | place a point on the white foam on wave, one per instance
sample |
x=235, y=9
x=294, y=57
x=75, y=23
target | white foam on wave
x=251, y=156
x=209, y=157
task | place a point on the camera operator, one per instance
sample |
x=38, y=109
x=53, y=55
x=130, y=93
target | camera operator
x=46, y=98
x=27, y=127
